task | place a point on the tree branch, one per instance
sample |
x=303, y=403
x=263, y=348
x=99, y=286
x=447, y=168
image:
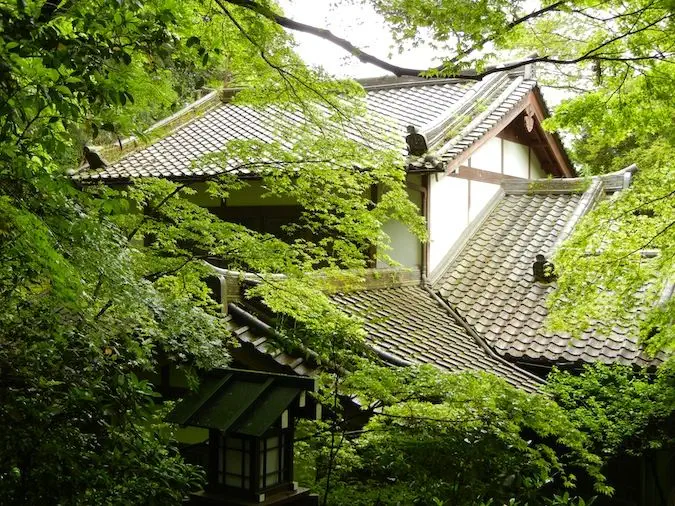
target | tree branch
x=285, y=74
x=50, y=8
x=512, y=24
x=399, y=71
x=145, y=218
x=324, y=34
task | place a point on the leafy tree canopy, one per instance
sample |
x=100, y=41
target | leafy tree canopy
x=83, y=309
x=620, y=259
x=458, y=438
x=622, y=411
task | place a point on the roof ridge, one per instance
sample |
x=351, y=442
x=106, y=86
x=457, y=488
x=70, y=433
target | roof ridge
x=174, y=122
x=585, y=204
x=549, y=186
x=614, y=181
x=392, y=82
x=384, y=83
x=437, y=129
x=371, y=279
x=496, y=103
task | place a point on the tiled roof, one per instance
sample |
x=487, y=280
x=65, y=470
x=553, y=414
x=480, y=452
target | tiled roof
x=453, y=115
x=242, y=402
x=504, y=103
x=419, y=103
x=490, y=282
x=407, y=323
x=410, y=324
x=257, y=343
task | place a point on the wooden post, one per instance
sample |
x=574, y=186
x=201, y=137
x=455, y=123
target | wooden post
x=214, y=459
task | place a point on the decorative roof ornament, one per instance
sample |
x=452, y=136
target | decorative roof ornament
x=543, y=270
x=529, y=118
x=94, y=160
x=417, y=143
x=429, y=162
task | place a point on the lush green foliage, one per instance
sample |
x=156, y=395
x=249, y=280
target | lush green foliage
x=612, y=38
x=459, y=438
x=622, y=411
x=77, y=425
x=77, y=321
x=83, y=308
x=619, y=124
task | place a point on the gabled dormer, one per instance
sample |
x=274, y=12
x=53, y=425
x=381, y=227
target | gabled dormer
x=484, y=133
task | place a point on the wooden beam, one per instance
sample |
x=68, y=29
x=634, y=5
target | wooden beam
x=482, y=176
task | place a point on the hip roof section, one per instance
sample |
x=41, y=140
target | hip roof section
x=490, y=281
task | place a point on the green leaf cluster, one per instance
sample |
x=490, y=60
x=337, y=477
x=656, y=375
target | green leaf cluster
x=100, y=285
x=624, y=412
x=460, y=438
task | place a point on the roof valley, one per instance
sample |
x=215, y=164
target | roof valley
x=410, y=324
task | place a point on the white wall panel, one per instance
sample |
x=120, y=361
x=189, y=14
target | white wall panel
x=488, y=156
x=516, y=159
x=448, y=215
x=481, y=193
x=536, y=172
x=406, y=249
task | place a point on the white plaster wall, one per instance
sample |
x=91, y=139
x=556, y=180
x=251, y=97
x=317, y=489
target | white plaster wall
x=536, y=172
x=488, y=156
x=448, y=215
x=481, y=193
x=406, y=249
x=516, y=159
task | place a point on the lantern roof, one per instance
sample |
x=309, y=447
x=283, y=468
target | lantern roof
x=242, y=402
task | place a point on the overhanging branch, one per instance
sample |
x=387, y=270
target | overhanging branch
x=400, y=71
x=327, y=35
